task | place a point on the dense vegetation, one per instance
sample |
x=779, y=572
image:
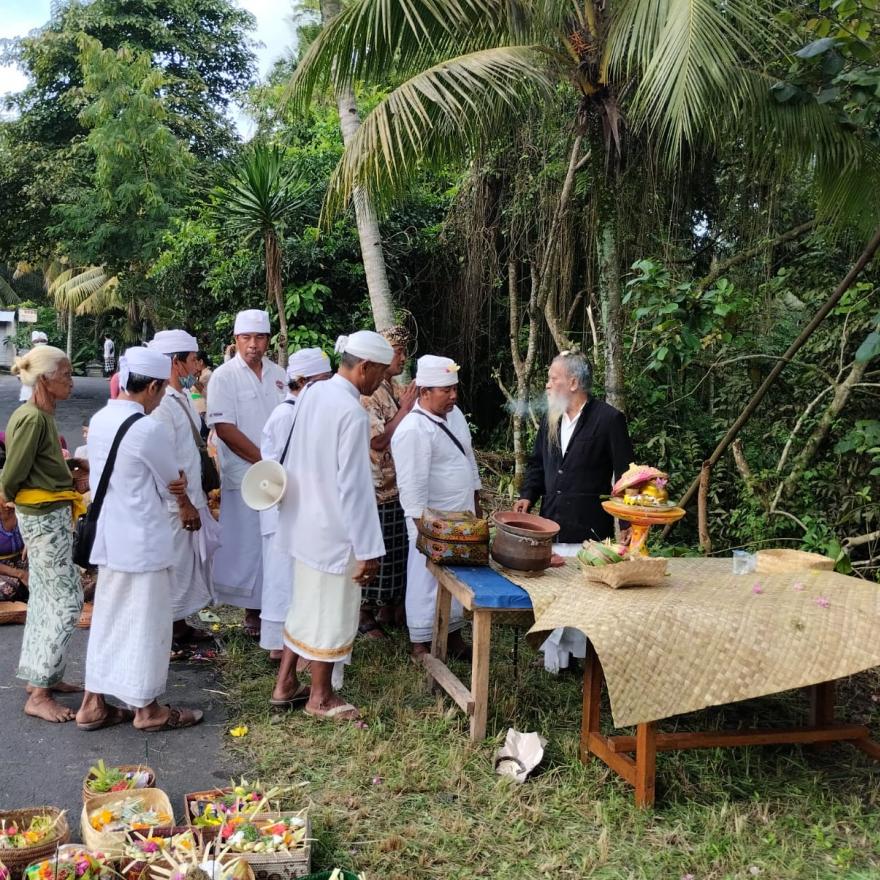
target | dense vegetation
x=546, y=175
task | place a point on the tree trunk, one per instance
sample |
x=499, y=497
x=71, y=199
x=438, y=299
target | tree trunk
x=274, y=293
x=612, y=310
x=70, y=335
x=369, y=234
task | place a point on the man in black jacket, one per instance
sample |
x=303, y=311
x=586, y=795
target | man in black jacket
x=582, y=446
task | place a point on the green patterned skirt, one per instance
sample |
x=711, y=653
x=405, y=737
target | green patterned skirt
x=55, y=596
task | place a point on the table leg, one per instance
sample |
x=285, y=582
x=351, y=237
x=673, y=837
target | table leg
x=480, y=672
x=592, y=697
x=646, y=764
x=822, y=700
x=440, y=632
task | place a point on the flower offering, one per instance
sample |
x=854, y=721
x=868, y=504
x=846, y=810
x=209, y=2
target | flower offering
x=15, y=836
x=72, y=863
x=243, y=797
x=270, y=835
x=130, y=813
x=103, y=779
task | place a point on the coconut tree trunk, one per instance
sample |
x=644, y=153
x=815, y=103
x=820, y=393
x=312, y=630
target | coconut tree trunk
x=273, y=291
x=70, y=334
x=612, y=311
x=365, y=216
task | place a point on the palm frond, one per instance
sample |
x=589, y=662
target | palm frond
x=437, y=115
x=86, y=291
x=8, y=296
x=371, y=38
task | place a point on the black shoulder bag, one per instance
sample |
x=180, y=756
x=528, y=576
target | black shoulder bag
x=443, y=427
x=210, y=474
x=87, y=524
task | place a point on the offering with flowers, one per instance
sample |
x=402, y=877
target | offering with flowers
x=4, y=872
x=19, y=836
x=141, y=850
x=214, y=863
x=129, y=813
x=70, y=863
x=270, y=834
x=102, y=778
x=210, y=809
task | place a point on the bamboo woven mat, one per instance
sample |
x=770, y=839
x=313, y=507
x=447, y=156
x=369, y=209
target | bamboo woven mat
x=708, y=637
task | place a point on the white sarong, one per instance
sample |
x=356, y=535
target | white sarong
x=565, y=642
x=130, y=638
x=191, y=569
x=277, y=592
x=322, y=620
x=421, y=599
x=238, y=564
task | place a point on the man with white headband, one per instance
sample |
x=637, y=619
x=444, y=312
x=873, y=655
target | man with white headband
x=130, y=637
x=436, y=469
x=241, y=396
x=195, y=533
x=305, y=366
x=328, y=522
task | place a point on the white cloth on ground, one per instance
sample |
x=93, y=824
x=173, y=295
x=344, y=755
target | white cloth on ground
x=130, y=637
x=329, y=510
x=421, y=599
x=565, y=642
x=133, y=533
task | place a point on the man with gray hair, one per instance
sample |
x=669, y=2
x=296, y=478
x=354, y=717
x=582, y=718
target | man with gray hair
x=582, y=446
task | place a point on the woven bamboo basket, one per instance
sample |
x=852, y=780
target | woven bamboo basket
x=89, y=796
x=282, y=866
x=16, y=860
x=782, y=561
x=13, y=612
x=191, y=800
x=133, y=869
x=112, y=842
x=643, y=572
x=69, y=851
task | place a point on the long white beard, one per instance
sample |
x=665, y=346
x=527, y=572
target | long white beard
x=557, y=404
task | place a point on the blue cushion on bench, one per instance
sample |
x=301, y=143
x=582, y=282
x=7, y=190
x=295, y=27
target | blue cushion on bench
x=491, y=589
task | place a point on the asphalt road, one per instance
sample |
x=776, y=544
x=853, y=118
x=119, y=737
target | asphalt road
x=45, y=763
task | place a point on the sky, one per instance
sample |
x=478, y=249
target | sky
x=274, y=31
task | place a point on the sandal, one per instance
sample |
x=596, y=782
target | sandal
x=334, y=713
x=303, y=692
x=177, y=719
x=367, y=629
x=112, y=717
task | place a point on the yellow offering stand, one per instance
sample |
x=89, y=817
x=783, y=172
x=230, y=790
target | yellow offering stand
x=641, y=519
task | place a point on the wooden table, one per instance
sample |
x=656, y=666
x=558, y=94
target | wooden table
x=635, y=757
x=488, y=595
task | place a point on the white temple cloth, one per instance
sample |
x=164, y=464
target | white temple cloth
x=130, y=637
x=307, y=362
x=173, y=342
x=565, y=642
x=433, y=371
x=366, y=344
x=252, y=321
x=421, y=599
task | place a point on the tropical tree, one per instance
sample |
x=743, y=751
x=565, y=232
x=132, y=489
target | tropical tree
x=261, y=195
x=686, y=72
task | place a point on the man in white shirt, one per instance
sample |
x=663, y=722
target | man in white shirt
x=130, y=637
x=241, y=396
x=305, y=366
x=195, y=533
x=436, y=469
x=37, y=338
x=109, y=356
x=329, y=524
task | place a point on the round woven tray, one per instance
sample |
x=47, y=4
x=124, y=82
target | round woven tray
x=16, y=860
x=780, y=561
x=125, y=768
x=13, y=612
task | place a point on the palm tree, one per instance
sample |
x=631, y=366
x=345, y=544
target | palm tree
x=689, y=72
x=81, y=290
x=262, y=193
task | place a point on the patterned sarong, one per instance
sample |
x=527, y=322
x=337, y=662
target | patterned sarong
x=55, y=596
x=390, y=586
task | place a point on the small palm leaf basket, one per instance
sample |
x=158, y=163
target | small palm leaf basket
x=780, y=560
x=113, y=842
x=636, y=572
x=89, y=795
x=18, y=858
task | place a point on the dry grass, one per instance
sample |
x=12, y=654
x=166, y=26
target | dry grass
x=410, y=797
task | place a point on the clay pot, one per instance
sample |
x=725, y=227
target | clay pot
x=523, y=541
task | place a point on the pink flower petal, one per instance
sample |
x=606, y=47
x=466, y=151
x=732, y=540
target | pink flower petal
x=757, y=589
x=798, y=586
x=822, y=602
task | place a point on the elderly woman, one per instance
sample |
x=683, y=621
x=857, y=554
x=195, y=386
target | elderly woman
x=38, y=480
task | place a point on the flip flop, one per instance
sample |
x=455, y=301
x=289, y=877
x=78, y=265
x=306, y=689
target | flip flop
x=114, y=716
x=303, y=692
x=251, y=630
x=176, y=720
x=334, y=713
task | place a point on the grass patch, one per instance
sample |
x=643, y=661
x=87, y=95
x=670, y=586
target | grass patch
x=411, y=797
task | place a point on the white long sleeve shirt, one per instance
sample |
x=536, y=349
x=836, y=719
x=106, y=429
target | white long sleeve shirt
x=329, y=510
x=237, y=397
x=133, y=532
x=272, y=439
x=180, y=424
x=431, y=471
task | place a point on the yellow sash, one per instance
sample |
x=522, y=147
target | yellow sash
x=32, y=497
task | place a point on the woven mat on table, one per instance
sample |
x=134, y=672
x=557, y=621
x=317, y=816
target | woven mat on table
x=708, y=637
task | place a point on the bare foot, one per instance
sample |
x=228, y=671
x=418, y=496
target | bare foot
x=61, y=688
x=40, y=705
x=418, y=650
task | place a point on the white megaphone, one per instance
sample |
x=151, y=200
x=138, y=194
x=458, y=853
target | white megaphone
x=264, y=484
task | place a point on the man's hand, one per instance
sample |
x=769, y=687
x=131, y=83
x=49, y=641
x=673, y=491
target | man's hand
x=521, y=505
x=78, y=464
x=24, y=577
x=178, y=486
x=365, y=571
x=408, y=397
x=189, y=516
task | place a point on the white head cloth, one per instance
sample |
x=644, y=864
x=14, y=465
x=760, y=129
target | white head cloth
x=173, y=342
x=38, y=336
x=307, y=362
x=251, y=321
x=367, y=345
x=143, y=362
x=436, y=372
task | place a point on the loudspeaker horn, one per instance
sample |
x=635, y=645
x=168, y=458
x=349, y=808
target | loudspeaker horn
x=263, y=485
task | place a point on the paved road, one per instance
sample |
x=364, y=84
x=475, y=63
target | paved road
x=45, y=763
